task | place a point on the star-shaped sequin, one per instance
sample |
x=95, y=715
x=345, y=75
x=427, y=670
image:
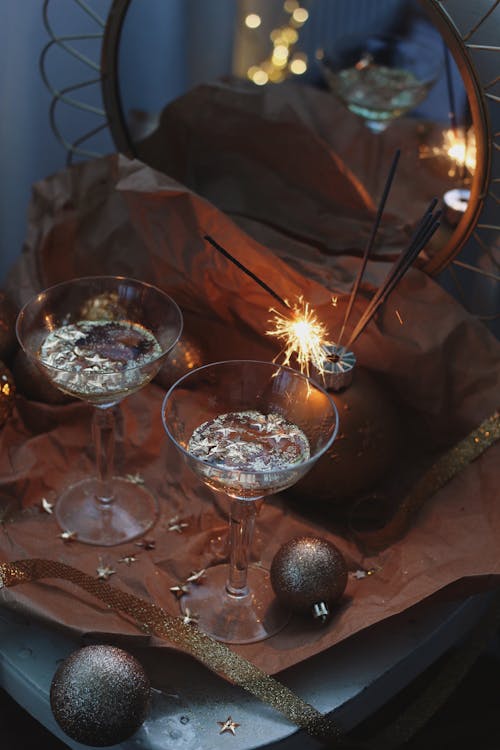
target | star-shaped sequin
x=360, y=573
x=68, y=536
x=104, y=572
x=190, y=618
x=146, y=543
x=228, y=726
x=196, y=576
x=135, y=478
x=128, y=560
x=180, y=590
x=46, y=506
x=176, y=525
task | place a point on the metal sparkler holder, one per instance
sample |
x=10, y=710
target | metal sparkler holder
x=455, y=204
x=338, y=367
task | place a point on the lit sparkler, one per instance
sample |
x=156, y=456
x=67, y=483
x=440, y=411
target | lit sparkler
x=303, y=335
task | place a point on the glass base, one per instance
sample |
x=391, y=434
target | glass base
x=233, y=619
x=375, y=126
x=131, y=513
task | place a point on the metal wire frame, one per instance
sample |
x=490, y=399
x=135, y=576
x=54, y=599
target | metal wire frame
x=60, y=96
x=480, y=240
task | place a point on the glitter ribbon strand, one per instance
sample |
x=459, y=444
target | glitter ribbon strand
x=214, y=655
x=441, y=472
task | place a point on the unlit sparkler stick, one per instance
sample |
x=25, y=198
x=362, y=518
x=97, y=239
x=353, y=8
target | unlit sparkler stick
x=424, y=231
x=371, y=242
x=246, y=270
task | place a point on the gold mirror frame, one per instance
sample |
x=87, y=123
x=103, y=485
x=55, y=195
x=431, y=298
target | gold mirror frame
x=468, y=27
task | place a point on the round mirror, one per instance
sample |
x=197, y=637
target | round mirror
x=287, y=115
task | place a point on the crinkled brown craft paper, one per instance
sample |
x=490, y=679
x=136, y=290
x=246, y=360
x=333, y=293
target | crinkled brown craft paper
x=115, y=216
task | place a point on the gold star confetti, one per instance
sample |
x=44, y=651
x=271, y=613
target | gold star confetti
x=146, y=543
x=176, y=525
x=104, y=571
x=68, y=536
x=47, y=507
x=190, y=618
x=128, y=560
x=228, y=726
x=196, y=576
x=180, y=590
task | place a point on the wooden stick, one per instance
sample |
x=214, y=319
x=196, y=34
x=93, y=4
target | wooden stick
x=370, y=243
x=246, y=270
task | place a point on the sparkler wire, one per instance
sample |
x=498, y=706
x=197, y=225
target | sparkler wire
x=423, y=232
x=246, y=270
x=370, y=243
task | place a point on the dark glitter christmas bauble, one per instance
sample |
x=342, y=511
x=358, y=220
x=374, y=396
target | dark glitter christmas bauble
x=33, y=384
x=100, y=695
x=186, y=355
x=7, y=393
x=309, y=574
x=8, y=315
x=367, y=445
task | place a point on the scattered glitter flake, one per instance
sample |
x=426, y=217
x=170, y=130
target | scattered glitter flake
x=146, y=543
x=335, y=301
x=196, y=576
x=104, y=572
x=180, y=590
x=47, y=507
x=176, y=525
x=128, y=560
x=135, y=478
x=228, y=726
x=68, y=536
x=190, y=618
x=398, y=316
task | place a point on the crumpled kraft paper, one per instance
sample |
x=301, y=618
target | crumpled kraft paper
x=115, y=216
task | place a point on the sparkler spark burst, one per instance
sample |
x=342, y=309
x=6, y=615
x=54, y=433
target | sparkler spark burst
x=458, y=147
x=303, y=335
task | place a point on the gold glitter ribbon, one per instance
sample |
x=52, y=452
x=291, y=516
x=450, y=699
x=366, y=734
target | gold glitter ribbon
x=216, y=656
x=445, y=468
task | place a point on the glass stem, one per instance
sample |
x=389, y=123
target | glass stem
x=242, y=514
x=103, y=432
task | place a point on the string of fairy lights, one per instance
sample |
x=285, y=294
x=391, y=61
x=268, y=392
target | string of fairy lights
x=284, y=59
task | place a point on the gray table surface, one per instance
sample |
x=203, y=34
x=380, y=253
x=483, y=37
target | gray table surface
x=352, y=679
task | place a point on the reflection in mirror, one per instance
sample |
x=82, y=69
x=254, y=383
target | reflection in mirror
x=270, y=123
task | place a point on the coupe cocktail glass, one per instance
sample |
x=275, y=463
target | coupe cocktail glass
x=382, y=77
x=248, y=429
x=99, y=339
